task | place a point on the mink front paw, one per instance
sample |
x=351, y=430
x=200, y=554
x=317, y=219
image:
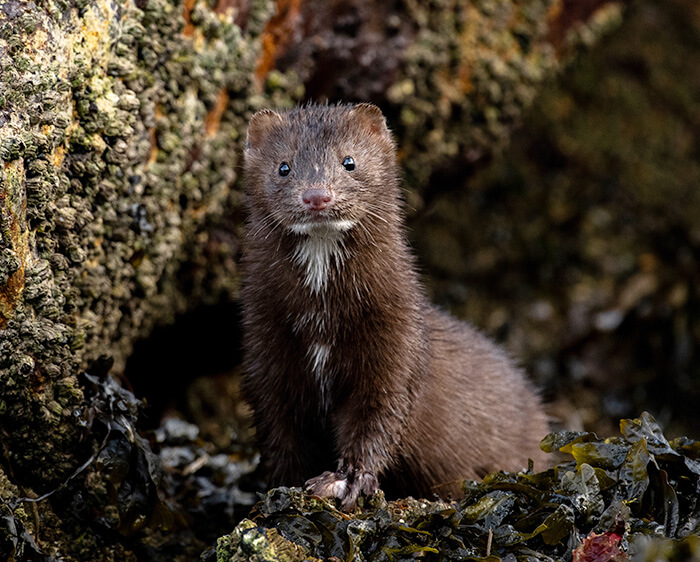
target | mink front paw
x=345, y=485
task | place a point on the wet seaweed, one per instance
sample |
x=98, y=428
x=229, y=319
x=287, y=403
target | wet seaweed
x=634, y=495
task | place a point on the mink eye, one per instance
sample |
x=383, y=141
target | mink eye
x=349, y=163
x=284, y=169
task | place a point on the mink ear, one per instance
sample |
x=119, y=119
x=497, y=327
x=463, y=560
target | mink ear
x=260, y=125
x=371, y=117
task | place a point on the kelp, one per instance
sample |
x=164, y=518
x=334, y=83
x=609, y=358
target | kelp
x=634, y=495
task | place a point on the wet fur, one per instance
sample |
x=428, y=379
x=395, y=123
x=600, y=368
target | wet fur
x=353, y=376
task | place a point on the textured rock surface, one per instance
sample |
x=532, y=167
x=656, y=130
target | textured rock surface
x=121, y=133
x=579, y=247
x=453, y=76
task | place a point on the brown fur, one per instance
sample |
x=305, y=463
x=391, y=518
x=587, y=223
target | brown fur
x=352, y=374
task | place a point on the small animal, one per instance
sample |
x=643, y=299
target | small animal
x=355, y=379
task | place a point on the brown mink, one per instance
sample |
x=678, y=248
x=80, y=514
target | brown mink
x=355, y=379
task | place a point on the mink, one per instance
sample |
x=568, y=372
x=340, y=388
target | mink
x=354, y=377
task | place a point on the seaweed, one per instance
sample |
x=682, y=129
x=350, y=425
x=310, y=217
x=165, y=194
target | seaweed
x=15, y=540
x=634, y=495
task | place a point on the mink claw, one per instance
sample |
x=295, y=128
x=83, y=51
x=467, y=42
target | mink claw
x=346, y=486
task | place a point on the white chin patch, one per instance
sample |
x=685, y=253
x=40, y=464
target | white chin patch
x=321, y=247
x=319, y=228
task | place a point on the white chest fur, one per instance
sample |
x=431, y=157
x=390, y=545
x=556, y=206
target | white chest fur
x=320, y=249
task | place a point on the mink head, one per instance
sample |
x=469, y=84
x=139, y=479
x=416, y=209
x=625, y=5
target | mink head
x=320, y=166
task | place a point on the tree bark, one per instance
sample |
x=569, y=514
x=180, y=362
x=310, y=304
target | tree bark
x=121, y=128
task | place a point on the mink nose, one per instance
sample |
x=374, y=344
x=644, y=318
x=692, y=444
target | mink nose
x=317, y=199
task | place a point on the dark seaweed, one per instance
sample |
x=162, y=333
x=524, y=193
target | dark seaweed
x=634, y=495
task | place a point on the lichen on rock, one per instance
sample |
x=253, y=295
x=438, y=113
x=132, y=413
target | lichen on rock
x=120, y=138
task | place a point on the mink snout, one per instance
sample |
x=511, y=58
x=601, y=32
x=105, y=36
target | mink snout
x=317, y=198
